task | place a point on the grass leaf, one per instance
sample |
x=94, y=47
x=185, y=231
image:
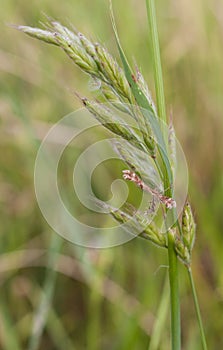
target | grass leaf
x=147, y=110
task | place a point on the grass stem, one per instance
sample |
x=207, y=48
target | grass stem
x=174, y=295
x=173, y=263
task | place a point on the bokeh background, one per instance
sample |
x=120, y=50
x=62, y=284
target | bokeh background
x=106, y=299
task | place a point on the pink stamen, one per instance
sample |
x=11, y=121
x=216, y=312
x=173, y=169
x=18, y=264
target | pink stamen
x=131, y=176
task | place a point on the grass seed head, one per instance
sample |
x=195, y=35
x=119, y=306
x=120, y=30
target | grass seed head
x=188, y=227
x=172, y=146
x=40, y=34
x=113, y=73
x=110, y=121
x=152, y=233
x=138, y=225
x=181, y=250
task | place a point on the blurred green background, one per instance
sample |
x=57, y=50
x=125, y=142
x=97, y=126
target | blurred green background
x=106, y=299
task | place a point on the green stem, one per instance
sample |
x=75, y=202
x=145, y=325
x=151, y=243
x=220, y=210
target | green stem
x=174, y=294
x=173, y=263
x=197, y=308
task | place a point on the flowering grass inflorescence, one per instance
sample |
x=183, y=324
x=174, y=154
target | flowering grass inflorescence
x=127, y=91
x=96, y=61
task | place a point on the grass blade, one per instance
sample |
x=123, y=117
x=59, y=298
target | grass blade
x=9, y=336
x=54, y=325
x=160, y=318
x=158, y=75
x=41, y=314
x=173, y=263
x=197, y=308
x=146, y=110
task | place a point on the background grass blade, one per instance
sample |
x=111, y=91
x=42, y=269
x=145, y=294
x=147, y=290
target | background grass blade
x=161, y=318
x=9, y=335
x=41, y=314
